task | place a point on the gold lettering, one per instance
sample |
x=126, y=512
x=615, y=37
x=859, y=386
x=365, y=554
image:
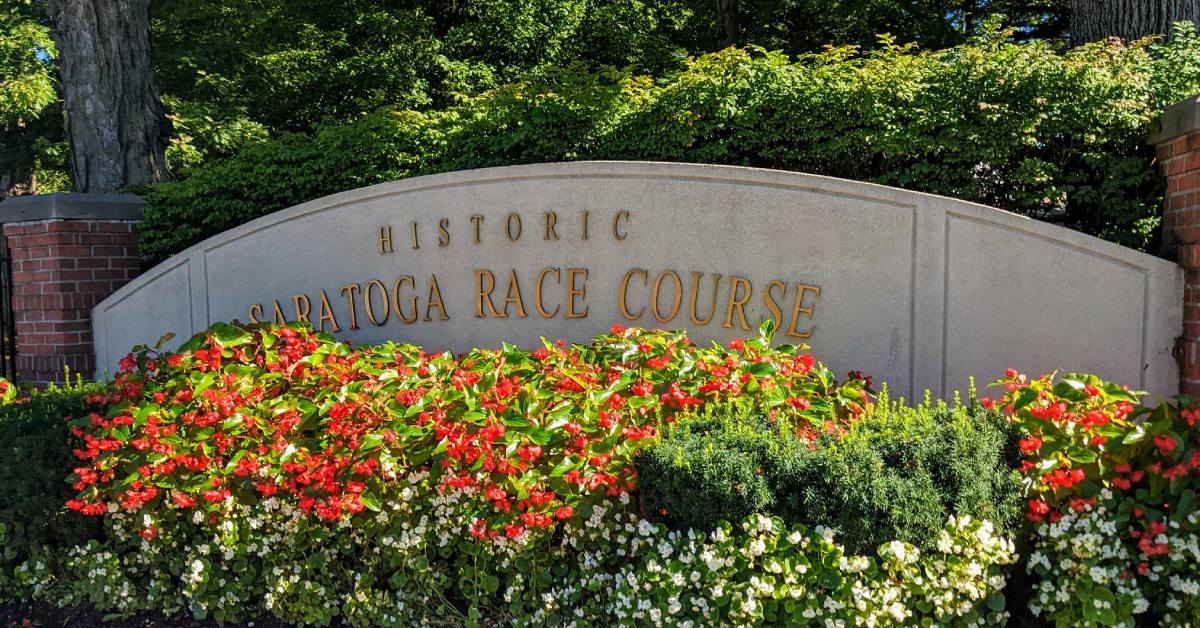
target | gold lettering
x=435, y=300
x=385, y=240
x=508, y=227
x=576, y=291
x=348, y=291
x=485, y=294
x=302, y=313
x=258, y=307
x=412, y=282
x=416, y=242
x=617, y=234
x=443, y=233
x=654, y=294
x=622, y=301
x=586, y=213
x=537, y=292
x=776, y=314
x=279, y=317
x=369, y=307
x=551, y=220
x=476, y=220
x=327, y=314
x=737, y=303
x=712, y=310
x=513, y=296
x=798, y=309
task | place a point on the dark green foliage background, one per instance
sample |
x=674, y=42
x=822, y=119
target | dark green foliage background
x=1023, y=127
x=36, y=457
x=896, y=475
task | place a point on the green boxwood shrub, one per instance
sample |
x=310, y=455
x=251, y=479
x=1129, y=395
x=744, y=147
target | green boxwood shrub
x=35, y=454
x=1024, y=127
x=897, y=473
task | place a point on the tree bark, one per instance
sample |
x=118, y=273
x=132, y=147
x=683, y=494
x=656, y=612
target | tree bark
x=116, y=124
x=727, y=20
x=1093, y=20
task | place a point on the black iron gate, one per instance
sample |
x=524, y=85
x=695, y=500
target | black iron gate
x=8, y=328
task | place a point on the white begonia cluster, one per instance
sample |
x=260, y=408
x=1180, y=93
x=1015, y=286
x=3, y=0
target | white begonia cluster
x=1086, y=570
x=400, y=565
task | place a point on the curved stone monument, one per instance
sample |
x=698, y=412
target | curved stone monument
x=918, y=290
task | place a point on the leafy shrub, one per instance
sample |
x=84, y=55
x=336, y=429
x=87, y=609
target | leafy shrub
x=896, y=473
x=1113, y=501
x=36, y=456
x=1023, y=127
x=711, y=469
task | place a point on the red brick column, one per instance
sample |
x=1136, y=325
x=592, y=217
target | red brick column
x=63, y=264
x=1177, y=141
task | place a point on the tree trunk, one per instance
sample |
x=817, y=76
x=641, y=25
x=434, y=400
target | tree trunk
x=115, y=121
x=1093, y=20
x=727, y=16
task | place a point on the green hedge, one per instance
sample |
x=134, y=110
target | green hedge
x=897, y=473
x=1023, y=127
x=35, y=454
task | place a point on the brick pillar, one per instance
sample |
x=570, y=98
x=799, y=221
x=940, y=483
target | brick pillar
x=1176, y=138
x=69, y=252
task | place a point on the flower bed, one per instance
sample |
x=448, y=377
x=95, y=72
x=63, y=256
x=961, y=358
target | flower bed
x=273, y=470
x=1112, y=501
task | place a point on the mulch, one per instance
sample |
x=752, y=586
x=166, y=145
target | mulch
x=42, y=615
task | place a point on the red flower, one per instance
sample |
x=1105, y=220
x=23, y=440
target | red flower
x=799, y=403
x=529, y=453
x=1037, y=509
x=127, y=363
x=1030, y=445
x=1166, y=444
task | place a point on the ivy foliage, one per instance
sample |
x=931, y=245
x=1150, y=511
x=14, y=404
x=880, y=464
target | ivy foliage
x=1024, y=127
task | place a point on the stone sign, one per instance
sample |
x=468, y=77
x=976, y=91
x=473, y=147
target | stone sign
x=918, y=290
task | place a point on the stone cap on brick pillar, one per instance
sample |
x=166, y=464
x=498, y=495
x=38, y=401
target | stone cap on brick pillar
x=1179, y=119
x=71, y=206
x=67, y=253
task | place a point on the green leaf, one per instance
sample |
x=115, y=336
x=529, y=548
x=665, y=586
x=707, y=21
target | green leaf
x=565, y=465
x=491, y=583
x=830, y=579
x=1137, y=435
x=370, y=500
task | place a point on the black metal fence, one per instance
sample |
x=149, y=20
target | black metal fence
x=8, y=328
